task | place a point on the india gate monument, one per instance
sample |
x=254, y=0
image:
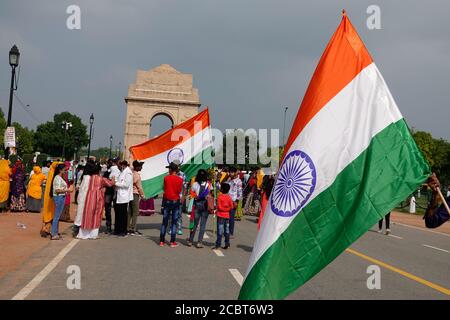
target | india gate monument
x=159, y=91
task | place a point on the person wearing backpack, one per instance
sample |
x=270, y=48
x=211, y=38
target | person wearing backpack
x=199, y=193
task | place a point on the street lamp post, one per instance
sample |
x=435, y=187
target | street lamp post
x=110, y=146
x=284, y=127
x=91, y=122
x=77, y=146
x=14, y=56
x=120, y=149
x=65, y=125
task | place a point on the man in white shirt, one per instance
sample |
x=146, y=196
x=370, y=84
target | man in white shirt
x=124, y=194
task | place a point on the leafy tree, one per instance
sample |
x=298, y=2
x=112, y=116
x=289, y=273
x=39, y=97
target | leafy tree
x=24, y=139
x=425, y=142
x=2, y=124
x=24, y=136
x=244, y=156
x=436, y=152
x=101, y=153
x=49, y=137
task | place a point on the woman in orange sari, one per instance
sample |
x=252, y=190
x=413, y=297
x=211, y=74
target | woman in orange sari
x=34, y=190
x=48, y=210
x=5, y=174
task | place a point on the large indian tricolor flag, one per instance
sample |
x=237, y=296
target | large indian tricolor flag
x=349, y=160
x=190, y=143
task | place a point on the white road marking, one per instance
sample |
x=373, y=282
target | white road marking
x=22, y=294
x=396, y=237
x=237, y=276
x=408, y=226
x=425, y=245
x=219, y=253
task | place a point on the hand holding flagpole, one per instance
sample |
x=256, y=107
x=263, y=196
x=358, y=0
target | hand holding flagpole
x=433, y=182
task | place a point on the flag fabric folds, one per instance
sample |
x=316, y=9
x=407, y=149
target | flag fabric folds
x=189, y=143
x=349, y=159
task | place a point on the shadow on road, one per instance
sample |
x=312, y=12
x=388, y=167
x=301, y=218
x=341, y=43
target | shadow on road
x=245, y=248
x=147, y=226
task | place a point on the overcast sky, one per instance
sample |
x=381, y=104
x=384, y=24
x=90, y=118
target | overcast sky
x=248, y=58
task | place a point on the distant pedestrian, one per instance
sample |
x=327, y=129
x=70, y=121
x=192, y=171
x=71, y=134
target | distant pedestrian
x=34, y=190
x=18, y=203
x=173, y=186
x=5, y=174
x=199, y=192
x=68, y=177
x=83, y=187
x=387, y=218
x=267, y=187
x=58, y=191
x=48, y=207
x=224, y=205
x=45, y=170
x=124, y=195
x=111, y=194
x=138, y=193
x=235, y=194
x=94, y=205
x=147, y=207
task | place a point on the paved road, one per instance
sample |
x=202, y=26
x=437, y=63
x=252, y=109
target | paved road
x=137, y=268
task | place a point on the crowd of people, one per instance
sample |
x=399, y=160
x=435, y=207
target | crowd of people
x=100, y=187
x=227, y=194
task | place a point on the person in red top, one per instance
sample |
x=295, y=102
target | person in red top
x=224, y=205
x=173, y=185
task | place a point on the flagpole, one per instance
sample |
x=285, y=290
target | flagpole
x=443, y=199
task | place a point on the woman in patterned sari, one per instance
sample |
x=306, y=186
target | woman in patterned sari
x=18, y=188
x=94, y=205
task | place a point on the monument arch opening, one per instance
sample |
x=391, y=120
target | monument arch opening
x=159, y=91
x=160, y=123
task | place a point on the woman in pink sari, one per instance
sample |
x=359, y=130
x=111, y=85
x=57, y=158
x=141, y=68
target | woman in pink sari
x=94, y=205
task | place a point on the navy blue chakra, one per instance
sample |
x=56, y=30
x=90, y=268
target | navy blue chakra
x=295, y=184
x=176, y=154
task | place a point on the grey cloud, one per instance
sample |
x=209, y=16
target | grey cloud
x=248, y=58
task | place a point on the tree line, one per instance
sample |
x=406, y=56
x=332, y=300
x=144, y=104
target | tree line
x=49, y=137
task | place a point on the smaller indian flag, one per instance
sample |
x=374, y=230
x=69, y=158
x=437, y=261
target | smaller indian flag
x=189, y=143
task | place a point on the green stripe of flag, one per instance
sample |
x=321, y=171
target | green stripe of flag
x=368, y=188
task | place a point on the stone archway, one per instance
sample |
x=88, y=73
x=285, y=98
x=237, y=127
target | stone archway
x=162, y=90
x=160, y=115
